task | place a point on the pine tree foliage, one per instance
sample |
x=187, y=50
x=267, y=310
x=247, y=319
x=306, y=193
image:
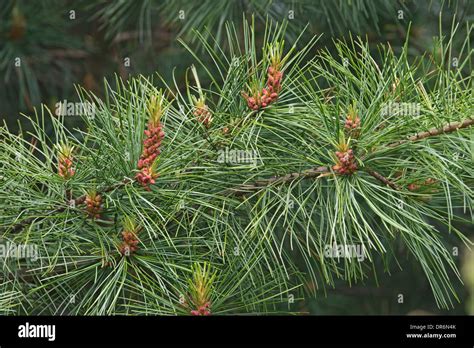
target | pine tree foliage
x=245, y=201
x=211, y=15
x=37, y=65
x=30, y=41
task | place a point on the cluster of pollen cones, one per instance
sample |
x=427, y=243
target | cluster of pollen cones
x=352, y=122
x=65, y=162
x=202, y=112
x=346, y=163
x=154, y=135
x=269, y=94
x=129, y=244
x=151, y=145
x=93, y=205
x=203, y=310
x=417, y=186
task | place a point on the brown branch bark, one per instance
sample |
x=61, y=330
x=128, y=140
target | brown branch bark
x=277, y=180
x=448, y=128
x=382, y=179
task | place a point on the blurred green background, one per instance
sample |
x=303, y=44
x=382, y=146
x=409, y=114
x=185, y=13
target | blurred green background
x=49, y=46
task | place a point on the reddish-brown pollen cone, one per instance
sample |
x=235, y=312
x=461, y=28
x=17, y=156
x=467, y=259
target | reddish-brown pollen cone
x=146, y=177
x=274, y=79
x=93, y=205
x=65, y=161
x=154, y=135
x=65, y=169
x=352, y=122
x=203, y=310
x=259, y=99
x=129, y=244
x=426, y=185
x=269, y=94
x=346, y=164
x=202, y=113
x=254, y=101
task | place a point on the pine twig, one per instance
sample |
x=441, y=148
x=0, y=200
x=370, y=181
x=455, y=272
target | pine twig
x=277, y=180
x=310, y=173
x=448, y=128
x=382, y=179
x=307, y=174
x=19, y=226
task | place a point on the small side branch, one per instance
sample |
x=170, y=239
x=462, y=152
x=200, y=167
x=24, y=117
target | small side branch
x=448, y=128
x=19, y=226
x=382, y=179
x=277, y=180
x=110, y=188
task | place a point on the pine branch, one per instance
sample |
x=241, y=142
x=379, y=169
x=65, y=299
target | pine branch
x=382, y=179
x=243, y=189
x=277, y=180
x=313, y=172
x=19, y=226
x=78, y=201
x=448, y=128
